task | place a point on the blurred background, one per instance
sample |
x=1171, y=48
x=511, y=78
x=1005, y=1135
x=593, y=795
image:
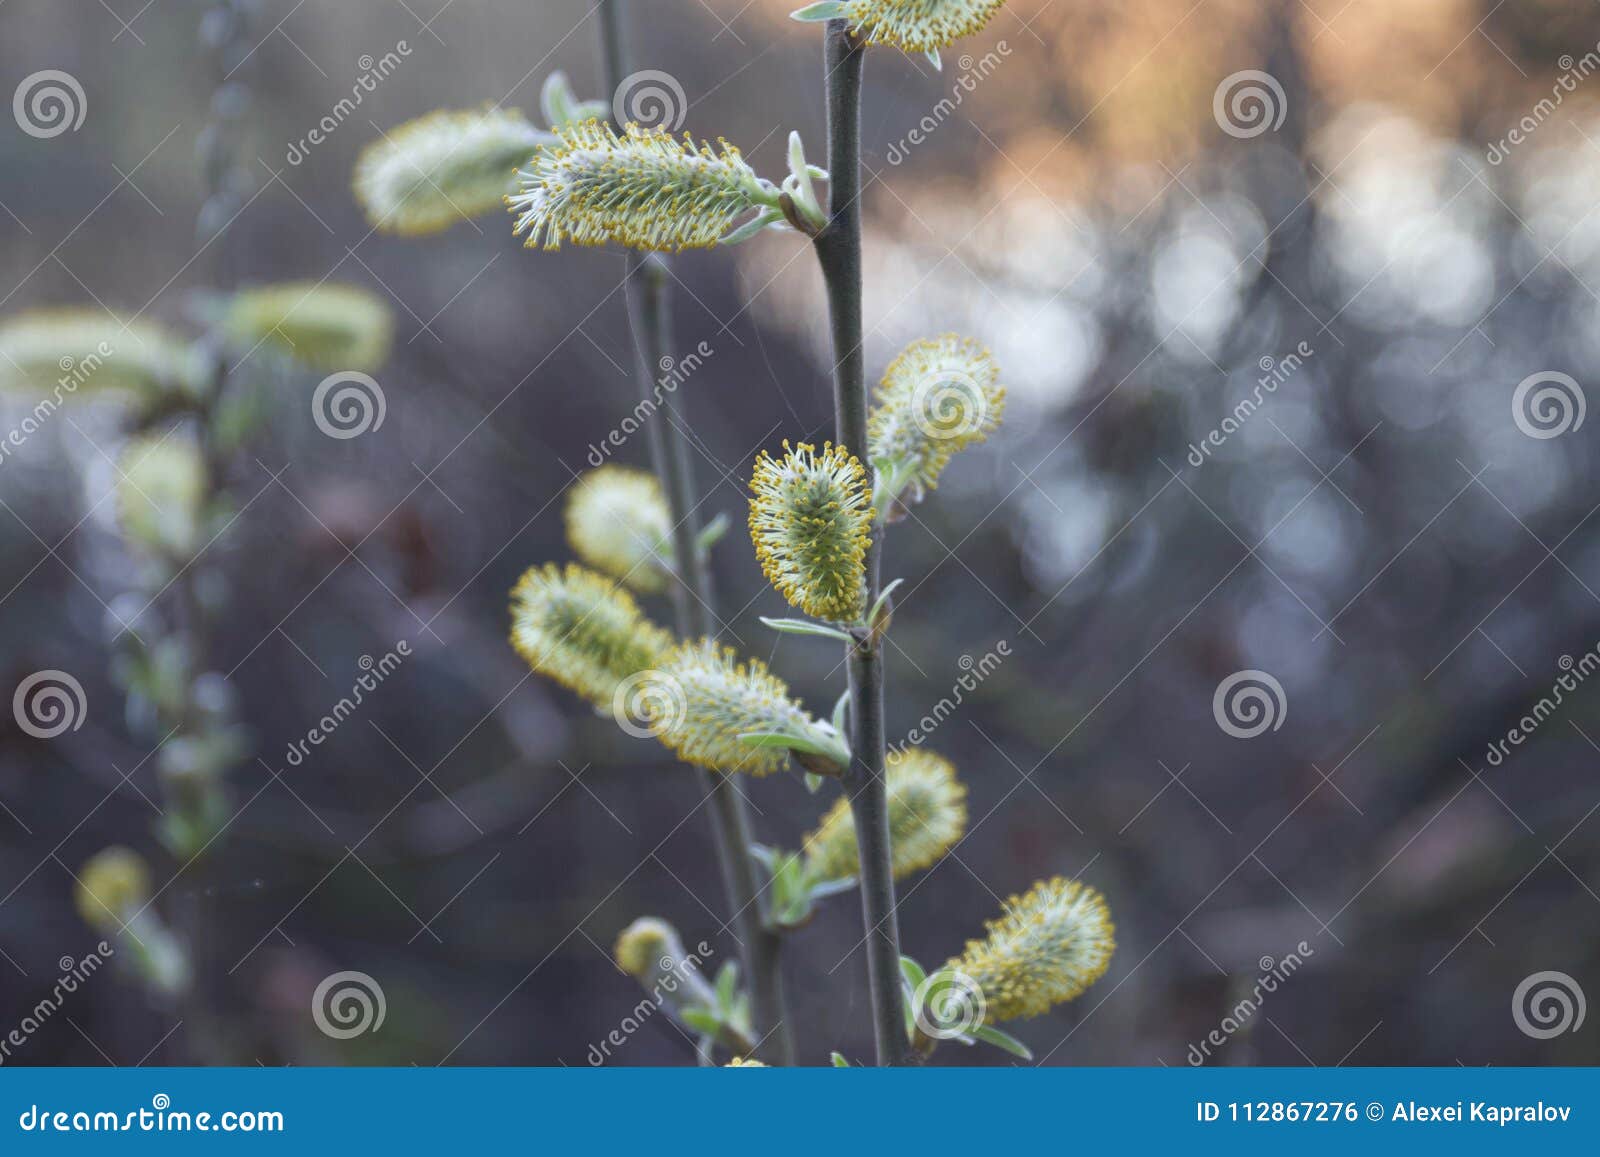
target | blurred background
x=1392, y=531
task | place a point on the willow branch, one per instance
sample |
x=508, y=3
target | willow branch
x=838, y=249
x=649, y=311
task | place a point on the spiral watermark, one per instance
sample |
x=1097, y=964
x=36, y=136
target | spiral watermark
x=348, y=1004
x=348, y=404
x=1248, y=103
x=48, y=103
x=652, y=100
x=1548, y=404
x=1548, y=1004
x=1249, y=703
x=49, y=703
x=647, y=703
x=950, y=404
x=948, y=1004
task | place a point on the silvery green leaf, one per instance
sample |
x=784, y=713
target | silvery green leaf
x=813, y=782
x=841, y=712
x=727, y=985
x=701, y=1020
x=753, y=226
x=912, y=971
x=807, y=627
x=813, y=13
x=556, y=100
x=825, y=888
x=1003, y=1040
x=838, y=1061
x=712, y=532
x=882, y=601
x=933, y=59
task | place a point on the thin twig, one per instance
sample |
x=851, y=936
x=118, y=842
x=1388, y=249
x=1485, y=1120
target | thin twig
x=649, y=310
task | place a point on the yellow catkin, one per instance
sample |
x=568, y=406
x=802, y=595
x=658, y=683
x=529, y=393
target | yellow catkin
x=712, y=700
x=938, y=396
x=582, y=630
x=618, y=522
x=62, y=352
x=112, y=886
x=645, y=944
x=927, y=815
x=642, y=187
x=918, y=25
x=810, y=515
x=432, y=172
x=1048, y=946
x=330, y=327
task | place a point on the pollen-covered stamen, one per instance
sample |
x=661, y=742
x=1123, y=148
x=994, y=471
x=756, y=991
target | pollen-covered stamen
x=911, y=25
x=642, y=187
x=1048, y=946
x=809, y=519
x=938, y=396
x=432, y=172
x=583, y=631
x=618, y=522
x=927, y=815
x=722, y=702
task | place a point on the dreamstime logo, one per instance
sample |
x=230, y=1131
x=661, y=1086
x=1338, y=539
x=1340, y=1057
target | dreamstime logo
x=652, y=99
x=1548, y=1004
x=948, y=1004
x=1274, y=973
x=1274, y=373
x=49, y=103
x=74, y=974
x=949, y=404
x=1248, y=703
x=348, y=1004
x=74, y=372
x=674, y=372
x=647, y=703
x=348, y=404
x=973, y=73
x=48, y=703
x=975, y=671
x=374, y=672
x=1548, y=404
x=1248, y=103
x=372, y=71
x=1573, y=73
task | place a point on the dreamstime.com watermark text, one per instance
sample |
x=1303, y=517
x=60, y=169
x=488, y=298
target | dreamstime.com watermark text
x=674, y=372
x=160, y=1117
